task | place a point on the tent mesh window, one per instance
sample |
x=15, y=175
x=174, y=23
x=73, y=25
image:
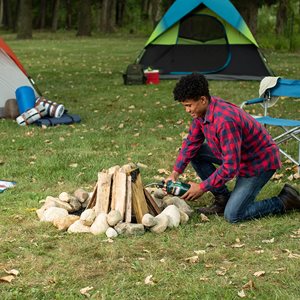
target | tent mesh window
x=202, y=28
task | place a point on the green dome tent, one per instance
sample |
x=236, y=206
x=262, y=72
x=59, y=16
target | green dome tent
x=205, y=36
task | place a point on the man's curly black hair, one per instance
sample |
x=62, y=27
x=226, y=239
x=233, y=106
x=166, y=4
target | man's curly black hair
x=192, y=86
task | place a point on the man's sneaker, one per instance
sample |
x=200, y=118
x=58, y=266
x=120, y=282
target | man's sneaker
x=217, y=207
x=290, y=197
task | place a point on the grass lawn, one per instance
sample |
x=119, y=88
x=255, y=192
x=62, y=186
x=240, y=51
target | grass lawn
x=120, y=124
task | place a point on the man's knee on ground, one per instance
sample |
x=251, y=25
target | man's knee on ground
x=231, y=217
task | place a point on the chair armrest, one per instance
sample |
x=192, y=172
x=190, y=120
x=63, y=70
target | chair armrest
x=252, y=101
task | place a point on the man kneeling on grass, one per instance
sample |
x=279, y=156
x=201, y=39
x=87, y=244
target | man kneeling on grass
x=241, y=147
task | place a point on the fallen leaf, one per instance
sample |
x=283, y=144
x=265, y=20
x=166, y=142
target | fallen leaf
x=121, y=126
x=12, y=272
x=199, y=252
x=148, y=280
x=204, y=218
x=242, y=294
x=271, y=241
x=162, y=260
x=108, y=240
x=163, y=171
x=84, y=291
x=278, y=270
x=297, y=232
x=291, y=177
x=277, y=176
x=210, y=245
x=259, y=251
x=249, y=285
x=141, y=165
x=74, y=165
x=183, y=135
x=259, y=273
x=29, y=133
x=294, y=255
x=203, y=279
x=193, y=259
x=297, y=176
x=286, y=250
x=121, y=259
x=221, y=272
x=8, y=278
x=237, y=245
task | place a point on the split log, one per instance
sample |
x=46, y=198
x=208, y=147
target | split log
x=113, y=171
x=152, y=206
x=128, y=207
x=139, y=203
x=92, y=201
x=118, y=199
x=103, y=193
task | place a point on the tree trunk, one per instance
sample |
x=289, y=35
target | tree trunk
x=85, y=18
x=145, y=7
x=98, y=10
x=166, y=4
x=40, y=22
x=24, y=28
x=55, y=15
x=107, y=15
x=1, y=13
x=104, y=15
x=69, y=14
x=249, y=12
x=156, y=12
x=7, y=20
x=120, y=12
x=299, y=18
x=281, y=17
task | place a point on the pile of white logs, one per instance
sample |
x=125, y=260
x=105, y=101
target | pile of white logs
x=74, y=213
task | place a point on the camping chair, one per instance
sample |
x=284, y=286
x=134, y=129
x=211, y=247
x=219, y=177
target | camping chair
x=270, y=91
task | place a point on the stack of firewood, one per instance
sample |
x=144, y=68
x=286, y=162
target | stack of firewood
x=121, y=189
x=119, y=204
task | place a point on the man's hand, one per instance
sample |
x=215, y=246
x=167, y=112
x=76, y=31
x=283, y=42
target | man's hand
x=173, y=176
x=194, y=192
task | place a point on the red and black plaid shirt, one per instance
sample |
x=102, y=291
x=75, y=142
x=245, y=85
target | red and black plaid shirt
x=243, y=144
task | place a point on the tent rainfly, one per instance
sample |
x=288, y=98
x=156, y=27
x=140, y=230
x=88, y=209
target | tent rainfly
x=12, y=75
x=205, y=36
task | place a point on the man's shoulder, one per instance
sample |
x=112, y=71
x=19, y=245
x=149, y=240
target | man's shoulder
x=224, y=110
x=219, y=102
